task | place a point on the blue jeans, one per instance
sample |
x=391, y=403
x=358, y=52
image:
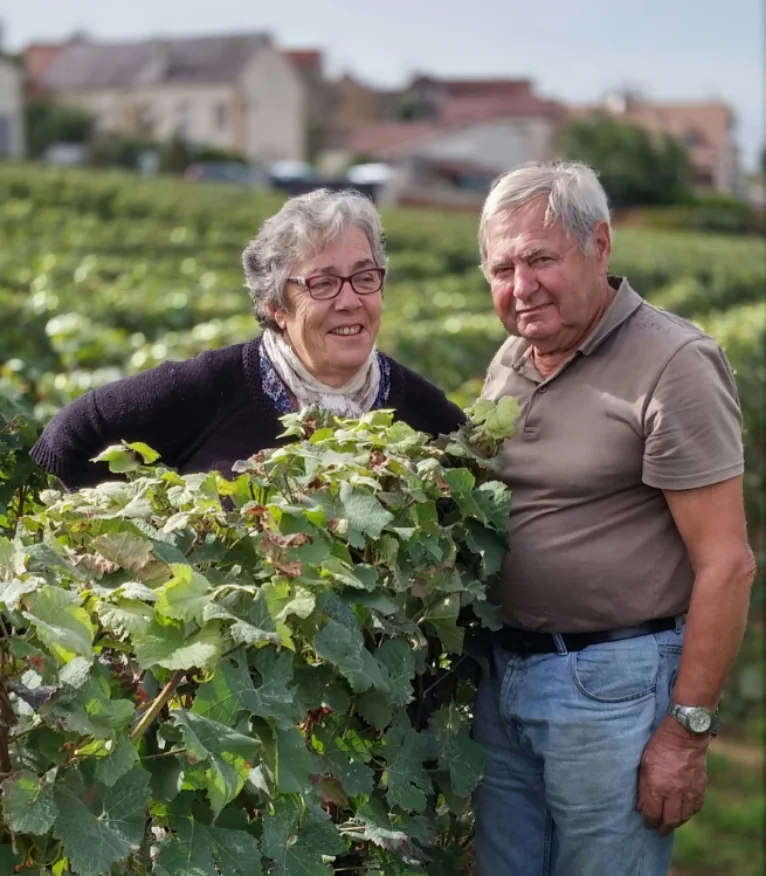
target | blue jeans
x=564, y=734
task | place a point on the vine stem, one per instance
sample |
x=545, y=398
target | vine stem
x=156, y=707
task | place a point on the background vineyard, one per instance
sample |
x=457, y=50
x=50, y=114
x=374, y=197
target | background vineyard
x=107, y=274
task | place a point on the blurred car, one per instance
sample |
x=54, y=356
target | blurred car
x=284, y=171
x=233, y=172
x=373, y=174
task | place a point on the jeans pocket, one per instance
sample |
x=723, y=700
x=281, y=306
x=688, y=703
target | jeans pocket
x=617, y=672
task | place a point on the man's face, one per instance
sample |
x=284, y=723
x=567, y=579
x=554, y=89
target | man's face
x=544, y=287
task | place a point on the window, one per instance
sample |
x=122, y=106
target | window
x=693, y=138
x=221, y=116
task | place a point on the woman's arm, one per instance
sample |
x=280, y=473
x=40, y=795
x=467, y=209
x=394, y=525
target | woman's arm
x=167, y=407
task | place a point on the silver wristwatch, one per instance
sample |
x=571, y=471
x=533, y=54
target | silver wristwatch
x=697, y=720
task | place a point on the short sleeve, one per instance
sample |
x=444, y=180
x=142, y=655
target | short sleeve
x=693, y=422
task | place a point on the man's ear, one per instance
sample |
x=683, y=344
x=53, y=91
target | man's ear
x=602, y=243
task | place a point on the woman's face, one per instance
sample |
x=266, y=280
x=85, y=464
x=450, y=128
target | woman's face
x=334, y=337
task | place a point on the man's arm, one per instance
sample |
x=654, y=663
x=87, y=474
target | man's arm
x=711, y=521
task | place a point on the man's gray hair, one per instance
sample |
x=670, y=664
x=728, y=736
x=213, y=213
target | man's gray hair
x=305, y=225
x=575, y=197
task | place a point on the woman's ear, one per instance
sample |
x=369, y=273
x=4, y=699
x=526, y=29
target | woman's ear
x=278, y=315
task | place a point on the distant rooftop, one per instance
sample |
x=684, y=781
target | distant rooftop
x=81, y=64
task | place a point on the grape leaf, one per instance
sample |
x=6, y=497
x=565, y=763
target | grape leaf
x=442, y=615
x=344, y=763
x=75, y=673
x=406, y=781
x=397, y=657
x=458, y=753
x=231, y=689
x=185, y=596
x=168, y=647
x=224, y=754
x=199, y=849
x=293, y=763
x=363, y=511
x=28, y=805
x=297, y=849
x=13, y=589
x=220, y=698
x=61, y=623
x=122, y=757
x=89, y=709
x=101, y=826
x=126, y=615
x=253, y=624
x=132, y=553
x=382, y=828
x=344, y=648
x=376, y=709
x=489, y=614
x=9, y=861
x=273, y=698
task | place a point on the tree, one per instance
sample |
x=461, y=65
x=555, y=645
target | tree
x=635, y=167
x=175, y=155
x=49, y=123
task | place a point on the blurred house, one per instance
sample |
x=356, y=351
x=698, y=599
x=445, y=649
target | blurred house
x=11, y=108
x=37, y=57
x=353, y=103
x=706, y=129
x=457, y=136
x=309, y=63
x=235, y=93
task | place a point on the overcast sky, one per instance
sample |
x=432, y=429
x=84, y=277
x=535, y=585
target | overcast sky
x=574, y=50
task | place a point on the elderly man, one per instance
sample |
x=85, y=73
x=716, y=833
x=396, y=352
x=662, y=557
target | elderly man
x=625, y=591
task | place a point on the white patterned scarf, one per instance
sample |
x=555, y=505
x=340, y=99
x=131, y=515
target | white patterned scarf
x=351, y=400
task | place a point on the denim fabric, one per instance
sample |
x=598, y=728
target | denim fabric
x=564, y=734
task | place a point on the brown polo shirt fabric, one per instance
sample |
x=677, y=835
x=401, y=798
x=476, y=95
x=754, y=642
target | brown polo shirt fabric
x=648, y=403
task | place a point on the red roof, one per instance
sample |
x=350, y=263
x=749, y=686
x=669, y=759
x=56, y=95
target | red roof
x=304, y=57
x=486, y=87
x=37, y=58
x=467, y=110
x=377, y=138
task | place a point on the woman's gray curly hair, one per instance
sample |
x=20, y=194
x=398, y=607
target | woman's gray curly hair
x=305, y=225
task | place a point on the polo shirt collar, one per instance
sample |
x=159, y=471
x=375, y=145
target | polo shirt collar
x=625, y=303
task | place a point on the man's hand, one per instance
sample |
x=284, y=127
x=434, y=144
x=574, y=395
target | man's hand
x=672, y=777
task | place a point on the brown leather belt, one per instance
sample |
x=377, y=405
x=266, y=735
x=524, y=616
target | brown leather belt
x=529, y=642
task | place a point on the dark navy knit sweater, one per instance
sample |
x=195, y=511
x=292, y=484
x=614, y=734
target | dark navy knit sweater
x=202, y=414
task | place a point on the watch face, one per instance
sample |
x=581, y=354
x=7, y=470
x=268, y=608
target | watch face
x=699, y=721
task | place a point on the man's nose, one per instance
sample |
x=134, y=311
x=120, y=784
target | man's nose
x=524, y=282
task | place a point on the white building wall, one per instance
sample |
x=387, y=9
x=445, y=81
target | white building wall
x=500, y=144
x=273, y=106
x=203, y=114
x=11, y=109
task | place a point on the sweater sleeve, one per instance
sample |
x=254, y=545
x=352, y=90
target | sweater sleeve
x=421, y=404
x=168, y=407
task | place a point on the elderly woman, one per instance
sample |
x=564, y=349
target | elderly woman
x=316, y=272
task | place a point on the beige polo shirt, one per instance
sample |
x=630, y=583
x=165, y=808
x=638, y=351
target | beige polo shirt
x=648, y=403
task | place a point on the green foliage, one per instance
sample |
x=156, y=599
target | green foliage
x=175, y=155
x=635, y=167
x=104, y=274
x=48, y=123
x=720, y=213
x=118, y=151
x=263, y=674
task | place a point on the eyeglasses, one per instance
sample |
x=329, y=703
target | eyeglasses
x=325, y=286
